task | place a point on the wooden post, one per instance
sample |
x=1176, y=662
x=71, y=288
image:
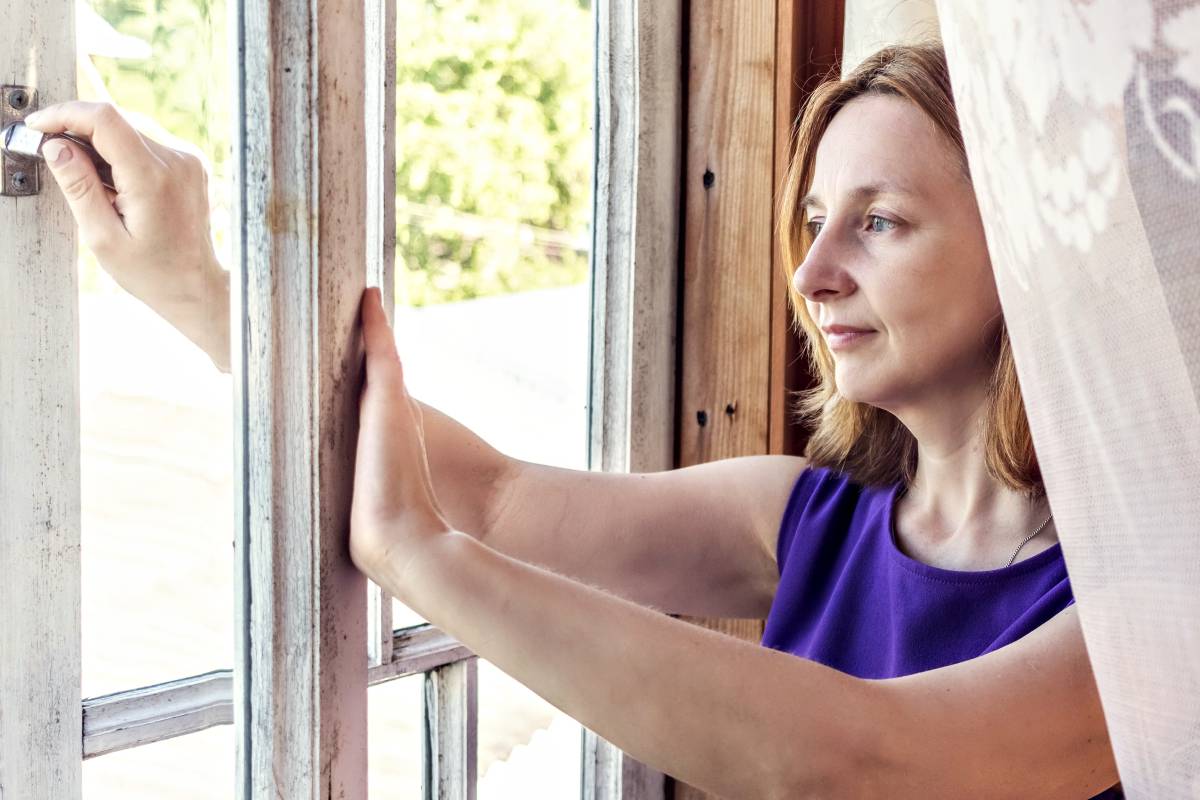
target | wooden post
x=41, y=717
x=748, y=67
x=300, y=698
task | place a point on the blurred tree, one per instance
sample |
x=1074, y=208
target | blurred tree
x=494, y=147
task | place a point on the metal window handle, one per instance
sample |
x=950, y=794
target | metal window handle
x=21, y=142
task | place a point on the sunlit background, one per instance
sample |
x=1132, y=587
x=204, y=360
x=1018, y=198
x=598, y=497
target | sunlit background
x=494, y=163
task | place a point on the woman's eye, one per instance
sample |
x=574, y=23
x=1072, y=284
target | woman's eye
x=878, y=224
x=814, y=226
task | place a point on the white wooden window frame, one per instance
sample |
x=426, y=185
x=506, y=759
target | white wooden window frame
x=306, y=184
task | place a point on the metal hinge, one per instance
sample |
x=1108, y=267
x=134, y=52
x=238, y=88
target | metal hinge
x=21, y=176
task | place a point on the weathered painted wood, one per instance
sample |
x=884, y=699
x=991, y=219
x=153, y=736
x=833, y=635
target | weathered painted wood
x=41, y=727
x=636, y=240
x=451, y=731
x=190, y=705
x=301, y=677
x=154, y=713
x=808, y=45
x=635, y=265
x=417, y=650
x=380, y=100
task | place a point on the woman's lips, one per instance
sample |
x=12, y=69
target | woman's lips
x=841, y=341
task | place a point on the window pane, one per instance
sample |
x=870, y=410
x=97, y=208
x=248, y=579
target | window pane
x=199, y=766
x=394, y=734
x=494, y=168
x=156, y=414
x=527, y=747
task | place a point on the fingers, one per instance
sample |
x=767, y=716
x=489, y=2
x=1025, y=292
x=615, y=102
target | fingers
x=377, y=334
x=100, y=226
x=110, y=133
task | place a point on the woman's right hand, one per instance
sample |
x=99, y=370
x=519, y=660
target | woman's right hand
x=152, y=236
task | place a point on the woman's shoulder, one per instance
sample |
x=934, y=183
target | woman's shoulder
x=826, y=501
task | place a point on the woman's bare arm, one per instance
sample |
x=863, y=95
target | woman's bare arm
x=699, y=540
x=744, y=721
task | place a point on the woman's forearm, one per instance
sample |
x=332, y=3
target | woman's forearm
x=722, y=714
x=198, y=307
x=468, y=473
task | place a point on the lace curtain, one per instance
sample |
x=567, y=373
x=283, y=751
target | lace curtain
x=1082, y=124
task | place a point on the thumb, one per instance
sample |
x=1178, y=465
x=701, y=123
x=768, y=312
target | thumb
x=99, y=223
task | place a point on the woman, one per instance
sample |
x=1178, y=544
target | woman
x=910, y=557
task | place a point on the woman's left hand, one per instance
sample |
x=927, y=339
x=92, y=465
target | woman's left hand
x=394, y=513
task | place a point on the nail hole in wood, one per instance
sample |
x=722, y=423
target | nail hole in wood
x=702, y=418
x=709, y=179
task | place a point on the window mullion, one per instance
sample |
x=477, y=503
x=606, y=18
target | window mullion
x=300, y=679
x=379, y=92
x=451, y=731
x=639, y=47
x=41, y=726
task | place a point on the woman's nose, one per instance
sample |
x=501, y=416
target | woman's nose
x=822, y=274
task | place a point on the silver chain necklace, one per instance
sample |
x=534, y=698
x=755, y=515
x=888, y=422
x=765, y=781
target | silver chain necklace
x=904, y=491
x=1027, y=538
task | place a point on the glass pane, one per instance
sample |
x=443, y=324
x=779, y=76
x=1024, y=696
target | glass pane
x=394, y=732
x=527, y=747
x=156, y=414
x=199, y=766
x=494, y=169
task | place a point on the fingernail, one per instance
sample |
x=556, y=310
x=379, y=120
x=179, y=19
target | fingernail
x=32, y=119
x=56, y=153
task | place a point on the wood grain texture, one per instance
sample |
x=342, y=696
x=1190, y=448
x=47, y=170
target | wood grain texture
x=727, y=234
x=748, y=66
x=635, y=262
x=156, y=713
x=451, y=731
x=301, y=681
x=41, y=721
x=808, y=46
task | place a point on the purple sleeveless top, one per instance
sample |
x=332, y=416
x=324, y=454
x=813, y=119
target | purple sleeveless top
x=850, y=599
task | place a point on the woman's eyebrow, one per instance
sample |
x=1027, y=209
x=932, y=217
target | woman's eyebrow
x=861, y=192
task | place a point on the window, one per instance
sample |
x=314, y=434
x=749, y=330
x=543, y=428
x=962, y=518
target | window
x=167, y=411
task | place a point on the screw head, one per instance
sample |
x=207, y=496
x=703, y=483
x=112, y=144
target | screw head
x=20, y=181
x=18, y=99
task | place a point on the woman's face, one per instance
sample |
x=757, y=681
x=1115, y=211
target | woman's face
x=900, y=252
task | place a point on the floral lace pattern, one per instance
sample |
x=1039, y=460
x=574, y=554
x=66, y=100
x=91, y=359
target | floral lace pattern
x=1082, y=125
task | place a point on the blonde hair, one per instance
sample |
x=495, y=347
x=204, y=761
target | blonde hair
x=869, y=444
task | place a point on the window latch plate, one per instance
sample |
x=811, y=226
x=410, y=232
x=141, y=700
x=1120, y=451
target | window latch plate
x=22, y=176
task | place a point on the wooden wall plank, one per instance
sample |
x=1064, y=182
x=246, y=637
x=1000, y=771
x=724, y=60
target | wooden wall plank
x=298, y=359
x=808, y=46
x=727, y=231
x=725, y=346
x=41, y=718
x=748, y=69
x=635, y=258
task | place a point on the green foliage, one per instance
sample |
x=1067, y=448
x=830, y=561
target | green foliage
x=186, y=84
x=493, y=107
x=494, y=147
